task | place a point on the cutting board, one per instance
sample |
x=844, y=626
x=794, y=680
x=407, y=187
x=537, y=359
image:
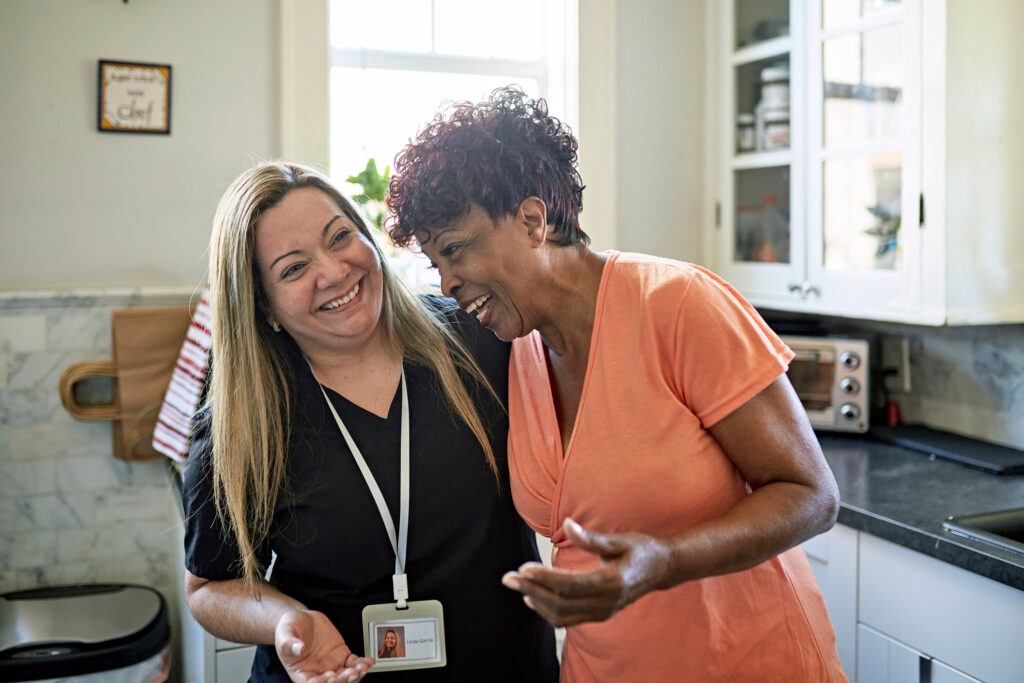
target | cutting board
x=976, y=453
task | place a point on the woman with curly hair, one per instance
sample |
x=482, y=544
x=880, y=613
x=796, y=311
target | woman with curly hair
x=654, y=436
x=342, y=407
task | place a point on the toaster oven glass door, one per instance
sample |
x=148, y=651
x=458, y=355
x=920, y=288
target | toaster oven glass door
x=812, y=374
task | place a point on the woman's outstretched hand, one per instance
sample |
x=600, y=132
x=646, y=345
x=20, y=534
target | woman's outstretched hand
x=632, y=565
x=312, y=650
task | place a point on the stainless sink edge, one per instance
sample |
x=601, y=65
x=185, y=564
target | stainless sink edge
x=956, y=526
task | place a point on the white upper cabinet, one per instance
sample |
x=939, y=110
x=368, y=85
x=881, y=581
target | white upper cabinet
x=870, y=157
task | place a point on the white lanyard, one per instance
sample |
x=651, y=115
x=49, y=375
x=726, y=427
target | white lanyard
x=398, y=581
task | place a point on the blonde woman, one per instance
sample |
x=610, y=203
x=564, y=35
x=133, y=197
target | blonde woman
x=319, y=356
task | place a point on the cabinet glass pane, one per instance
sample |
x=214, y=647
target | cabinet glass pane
x=840, y=12
x=762, y=215
x=862, y=212
x=762, y=105
x=863, y=88
x=760, y=20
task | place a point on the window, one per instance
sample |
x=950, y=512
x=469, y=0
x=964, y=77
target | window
x=393, y=63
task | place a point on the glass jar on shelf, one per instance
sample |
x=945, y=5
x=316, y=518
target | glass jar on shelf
x=774, y=129
x=746, y=138
x=772, y=110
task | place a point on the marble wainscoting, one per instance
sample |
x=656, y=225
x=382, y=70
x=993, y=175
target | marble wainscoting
x=71, y=512
x=969, y=380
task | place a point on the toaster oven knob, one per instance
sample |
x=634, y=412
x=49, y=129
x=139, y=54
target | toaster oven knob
x=849, y=360
x=850, y=411
x=849, y=385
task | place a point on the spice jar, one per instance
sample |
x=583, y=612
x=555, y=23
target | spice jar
x=745, y=138
x=775, y=87
x=775, y=131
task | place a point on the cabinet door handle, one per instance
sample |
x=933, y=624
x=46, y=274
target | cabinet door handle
x=803, y=289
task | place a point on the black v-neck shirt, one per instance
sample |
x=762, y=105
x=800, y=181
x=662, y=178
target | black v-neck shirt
x=333, y=553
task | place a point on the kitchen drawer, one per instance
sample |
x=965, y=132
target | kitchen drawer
x=884, y=660
x=833, y=559
x=944, y=674
x=968, y=622
x=233, y=666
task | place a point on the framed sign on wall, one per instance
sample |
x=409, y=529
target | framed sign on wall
x=134, y=97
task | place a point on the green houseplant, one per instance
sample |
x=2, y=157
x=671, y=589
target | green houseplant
x=374, y=185
x=374, y=189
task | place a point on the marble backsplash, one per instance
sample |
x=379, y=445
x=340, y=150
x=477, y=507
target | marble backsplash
x=71, y=512
x=969, y=380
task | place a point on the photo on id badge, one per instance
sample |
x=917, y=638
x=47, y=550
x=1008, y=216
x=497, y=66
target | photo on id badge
x=392, y=642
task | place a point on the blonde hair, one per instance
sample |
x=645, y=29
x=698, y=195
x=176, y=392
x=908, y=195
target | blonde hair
x=250, y=389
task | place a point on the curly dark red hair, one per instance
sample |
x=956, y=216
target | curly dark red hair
x=494, y=154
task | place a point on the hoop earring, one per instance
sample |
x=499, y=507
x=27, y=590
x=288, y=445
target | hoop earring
x=274, y=326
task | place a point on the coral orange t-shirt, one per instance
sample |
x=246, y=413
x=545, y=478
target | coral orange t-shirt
x=674, y=350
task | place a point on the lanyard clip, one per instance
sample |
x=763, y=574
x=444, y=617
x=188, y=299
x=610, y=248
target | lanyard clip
x=401, y=586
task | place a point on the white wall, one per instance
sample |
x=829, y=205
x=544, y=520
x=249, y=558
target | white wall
x=84, y=209
x=660, y=104
x=642, y=124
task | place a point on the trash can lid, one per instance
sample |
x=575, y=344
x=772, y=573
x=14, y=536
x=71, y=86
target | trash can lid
x=80, y=613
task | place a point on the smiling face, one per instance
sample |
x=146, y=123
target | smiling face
x=390, y=640
x=321, y=275
x=485, y=264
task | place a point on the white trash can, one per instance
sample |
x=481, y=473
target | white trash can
x=85, y=633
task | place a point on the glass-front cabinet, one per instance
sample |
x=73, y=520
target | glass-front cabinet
x=820, y=176
x=763, y=175
x=868, y=158
x=863, y=151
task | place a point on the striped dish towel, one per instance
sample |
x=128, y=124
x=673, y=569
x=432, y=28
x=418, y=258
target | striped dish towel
x=174, y=424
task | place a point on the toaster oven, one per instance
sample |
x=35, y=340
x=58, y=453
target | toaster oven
x=830, y=376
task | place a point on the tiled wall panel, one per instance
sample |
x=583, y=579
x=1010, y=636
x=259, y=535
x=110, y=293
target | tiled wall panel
x=71, y=512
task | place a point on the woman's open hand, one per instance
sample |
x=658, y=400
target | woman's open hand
x=632, y=565
x=312, y=650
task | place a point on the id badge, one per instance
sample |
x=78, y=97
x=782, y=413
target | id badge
x=410, y=638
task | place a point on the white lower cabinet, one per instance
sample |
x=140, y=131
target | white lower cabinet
x=903, y=617
x=881, y=659
x=217, y=661
x=233, y=662
x=968, y=625
x=207, y=659
x=946, y=674
x=833, y=559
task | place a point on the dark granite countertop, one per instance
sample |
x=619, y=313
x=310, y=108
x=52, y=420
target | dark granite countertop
x=904, y=496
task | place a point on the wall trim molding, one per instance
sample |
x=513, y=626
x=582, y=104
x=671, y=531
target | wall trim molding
x=124, y=297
